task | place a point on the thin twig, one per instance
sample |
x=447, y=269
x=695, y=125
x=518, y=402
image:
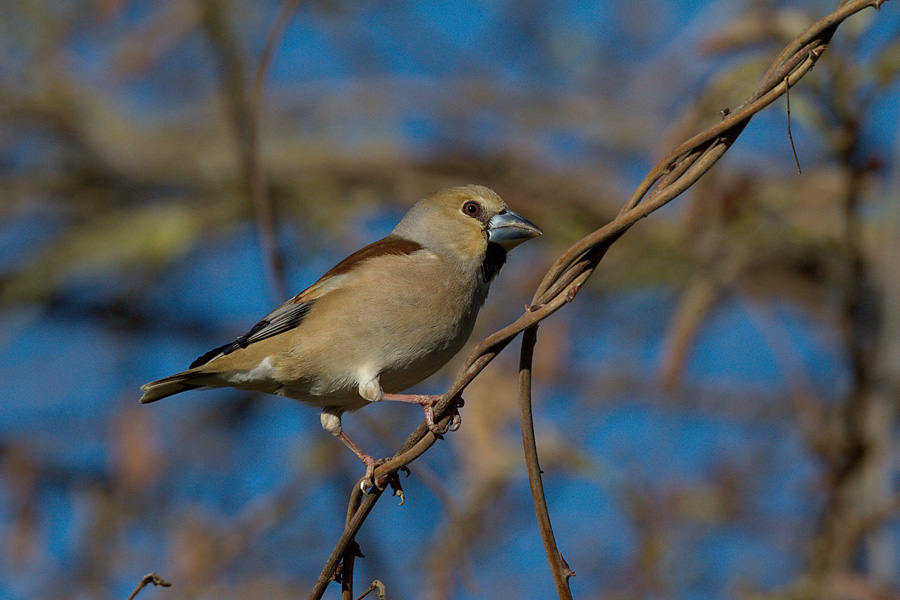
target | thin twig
x=787, y=97
x=256, y=176
x=347, y=563
x=377, y=587
x=276, y=32
x=561, y=571
x=669, y=178
x=149, y=578
x=245, y=113
x=353, y=525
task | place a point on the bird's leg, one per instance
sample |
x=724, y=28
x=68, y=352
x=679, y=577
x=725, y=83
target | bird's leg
x=331, y=422
x=369, y=461
x=427, y=403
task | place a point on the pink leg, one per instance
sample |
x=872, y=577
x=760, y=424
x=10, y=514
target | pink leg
x=427, y=403
x=370, y=462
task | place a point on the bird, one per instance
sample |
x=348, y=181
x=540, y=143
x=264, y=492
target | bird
x=379, y=322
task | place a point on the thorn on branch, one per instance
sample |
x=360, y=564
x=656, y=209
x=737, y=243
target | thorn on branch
x=355, y=550
x=814, y=55
x=567, y=571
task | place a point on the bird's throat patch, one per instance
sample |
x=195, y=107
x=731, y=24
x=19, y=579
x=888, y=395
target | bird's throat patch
x=494, y=259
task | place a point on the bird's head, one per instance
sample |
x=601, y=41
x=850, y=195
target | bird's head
x=469, y=224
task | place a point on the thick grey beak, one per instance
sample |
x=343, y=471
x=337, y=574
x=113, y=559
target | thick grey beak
x=508, y=230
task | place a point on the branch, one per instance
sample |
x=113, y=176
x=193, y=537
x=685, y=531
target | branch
x=245, y=113
x=256, y=175
x=674, y=174
x=149, y=578
x=558, y=565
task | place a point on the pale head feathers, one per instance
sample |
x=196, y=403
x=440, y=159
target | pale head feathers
x=446, y=223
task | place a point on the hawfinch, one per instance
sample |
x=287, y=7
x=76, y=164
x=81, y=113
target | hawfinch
x=379, y=322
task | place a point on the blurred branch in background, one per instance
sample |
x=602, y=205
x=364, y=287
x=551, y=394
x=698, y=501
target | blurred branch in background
x=246, y=110
x=856, y=438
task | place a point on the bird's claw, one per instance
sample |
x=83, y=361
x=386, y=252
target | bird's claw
x=452, y=425
x=429, y=421
x=455, y=422
x=368, y=481
x=398, y=489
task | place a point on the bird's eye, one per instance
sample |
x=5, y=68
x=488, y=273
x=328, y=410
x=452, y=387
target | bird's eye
x=471, y=208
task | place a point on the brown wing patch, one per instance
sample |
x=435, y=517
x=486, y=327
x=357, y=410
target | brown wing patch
x=290, y=314
x=389, y=245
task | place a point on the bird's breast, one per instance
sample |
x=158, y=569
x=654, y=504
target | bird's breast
x=403, y=320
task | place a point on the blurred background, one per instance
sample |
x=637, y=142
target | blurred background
x=716, y=411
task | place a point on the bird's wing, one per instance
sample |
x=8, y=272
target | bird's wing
x=287, y=316
x=290, y=314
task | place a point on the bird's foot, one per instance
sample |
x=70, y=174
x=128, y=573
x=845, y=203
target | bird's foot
x=452, y=425
x=368, y=481
x=427, y=402
x=428, y=409
x=455, y=421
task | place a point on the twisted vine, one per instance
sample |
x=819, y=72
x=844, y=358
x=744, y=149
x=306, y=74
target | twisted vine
x=671, y=176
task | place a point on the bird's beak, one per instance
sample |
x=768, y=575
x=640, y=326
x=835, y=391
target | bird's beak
x=508, y=230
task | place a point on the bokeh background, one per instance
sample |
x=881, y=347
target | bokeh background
x=716, y=411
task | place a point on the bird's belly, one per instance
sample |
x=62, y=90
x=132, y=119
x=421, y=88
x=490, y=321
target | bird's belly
x=392, y=343
x=404, y=373
x=322, y=395
x=347, y=399
x=337, y=378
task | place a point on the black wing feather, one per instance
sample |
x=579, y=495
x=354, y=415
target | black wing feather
x=287, y=316
x=291, y=313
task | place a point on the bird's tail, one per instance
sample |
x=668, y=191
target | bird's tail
x=174, y=384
